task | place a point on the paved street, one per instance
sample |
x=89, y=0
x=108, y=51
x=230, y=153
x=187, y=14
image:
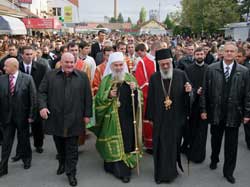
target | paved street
x=91, y=174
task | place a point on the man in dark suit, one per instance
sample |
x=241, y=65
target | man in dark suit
x=97, y=46
x=65, y=103
x=17, y=109
x=225, y=102
x=37, y=71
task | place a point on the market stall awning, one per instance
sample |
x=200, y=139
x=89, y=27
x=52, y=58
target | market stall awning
x=12, y=25
x=42, y=23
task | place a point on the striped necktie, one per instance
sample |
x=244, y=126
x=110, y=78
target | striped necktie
x=227, y=75
x=12, y=86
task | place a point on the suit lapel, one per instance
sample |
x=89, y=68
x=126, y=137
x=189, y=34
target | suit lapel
x=18, y=82
x=22, y=67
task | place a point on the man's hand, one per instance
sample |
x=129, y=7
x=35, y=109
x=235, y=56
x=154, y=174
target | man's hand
x=246, y=120
x=188, y=87
x=44, y=113
x=204, y=116
x=113, y=93
x=199, y=91
x=86, y=120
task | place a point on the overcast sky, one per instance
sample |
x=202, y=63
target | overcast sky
x=95, y=10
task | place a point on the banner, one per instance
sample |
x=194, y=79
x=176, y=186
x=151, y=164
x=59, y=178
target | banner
x=68, y=14
x=74, y=2
x=42, y=23
x=25, y=1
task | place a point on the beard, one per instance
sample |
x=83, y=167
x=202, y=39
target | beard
x=118, y=76
x=167, y=74
x=199, y=60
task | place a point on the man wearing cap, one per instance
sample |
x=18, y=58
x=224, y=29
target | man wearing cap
x=115, y=130
x=168, y=94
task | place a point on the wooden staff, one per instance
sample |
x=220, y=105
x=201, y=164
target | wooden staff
x=137, y=151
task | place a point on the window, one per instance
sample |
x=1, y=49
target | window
x=57, y=11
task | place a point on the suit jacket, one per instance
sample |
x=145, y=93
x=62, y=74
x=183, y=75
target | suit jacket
x=95, y=48
x=69, y=100
x=37, y=72
x=22, y=105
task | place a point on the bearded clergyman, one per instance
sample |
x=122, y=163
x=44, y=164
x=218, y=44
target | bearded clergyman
x=116, y=103
x=168, y=96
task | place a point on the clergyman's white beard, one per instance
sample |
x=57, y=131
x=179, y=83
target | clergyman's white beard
x=118, y=76
x=167, y=74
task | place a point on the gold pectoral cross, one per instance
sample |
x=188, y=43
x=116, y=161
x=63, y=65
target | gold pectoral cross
x=168, y=103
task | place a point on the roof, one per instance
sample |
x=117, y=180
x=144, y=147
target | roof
x=150, y=22
x=112, y=26
x=4, y=10
x=239, y=24
x=19, y=11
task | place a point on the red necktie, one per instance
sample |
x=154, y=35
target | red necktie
x=12, y=86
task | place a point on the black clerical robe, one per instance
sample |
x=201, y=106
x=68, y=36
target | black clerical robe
x=167, y=124
x=197, y=128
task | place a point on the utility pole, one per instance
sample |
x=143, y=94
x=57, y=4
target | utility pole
x=159, y=11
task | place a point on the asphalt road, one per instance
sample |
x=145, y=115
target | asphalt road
x=90, y=170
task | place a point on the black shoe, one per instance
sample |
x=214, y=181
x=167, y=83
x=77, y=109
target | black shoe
x=72, y=180
x=125, y=179
x=39, y=150
x=213, y=166
x=16, y=158
x=3, y=172
x=61, y=169
x=230, y=179
x=149, y=151
x=27, y=164
x=158, y=182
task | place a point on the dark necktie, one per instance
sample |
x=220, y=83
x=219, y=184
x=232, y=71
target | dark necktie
x=227, y=75
x=27, y=69
x=12, y=86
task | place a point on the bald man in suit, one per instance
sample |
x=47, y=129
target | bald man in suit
x=17, y=109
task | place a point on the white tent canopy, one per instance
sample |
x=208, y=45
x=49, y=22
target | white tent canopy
x=11, y=25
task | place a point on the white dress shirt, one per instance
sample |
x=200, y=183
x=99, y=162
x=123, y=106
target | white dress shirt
x=230, y=67
x=27, y=65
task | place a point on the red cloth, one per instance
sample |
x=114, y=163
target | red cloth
x=144, y=70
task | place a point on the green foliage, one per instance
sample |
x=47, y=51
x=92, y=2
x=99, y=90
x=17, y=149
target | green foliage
x=129, y=20
x=244, y=8
x=168, y=22
x=120, y=18
x=143, y=15
x=112, y=20
x=207, y=16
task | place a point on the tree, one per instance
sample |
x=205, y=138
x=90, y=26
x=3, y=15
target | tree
x=112, y=20
x=129, y=20
x=168, y=22
x=208, y=15
x=120, y=18
x=244, y=9
x=143, y=15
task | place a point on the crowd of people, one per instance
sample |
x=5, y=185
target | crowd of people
x=148, y=93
